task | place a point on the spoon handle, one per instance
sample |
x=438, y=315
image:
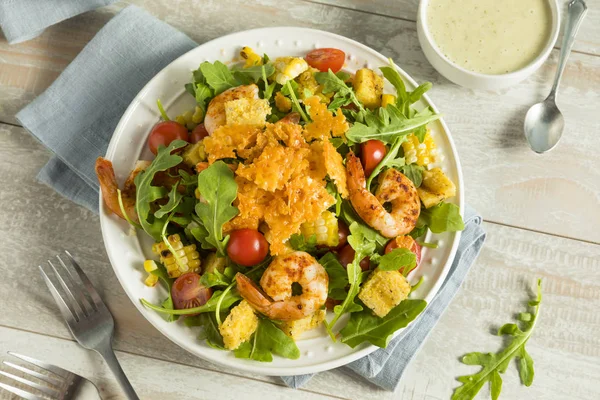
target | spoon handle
x=575, y=13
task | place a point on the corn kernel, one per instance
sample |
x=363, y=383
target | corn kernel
x=325, y=228
x=151, y=280
x=251, y=57
x=150, y=265
x=387, y=99
x=423, y=154
x=185, y=258
x=198, y=115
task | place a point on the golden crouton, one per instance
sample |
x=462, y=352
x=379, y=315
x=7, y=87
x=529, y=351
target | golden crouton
x=239, y=325
x=436, y=187
x=384, y=290
x=368, y=87
x=193, y=154
x=282, y=103
x=214, y=263
x=247, y=111
x=295, y=328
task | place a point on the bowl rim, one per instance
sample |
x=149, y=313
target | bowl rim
x=526, y=70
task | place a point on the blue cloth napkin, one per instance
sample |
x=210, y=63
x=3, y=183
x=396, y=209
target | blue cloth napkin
x=384, y=367
x=76, y=116
x=22, y=20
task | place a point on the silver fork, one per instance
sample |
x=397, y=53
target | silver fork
x=61, y=384
x=89, y=320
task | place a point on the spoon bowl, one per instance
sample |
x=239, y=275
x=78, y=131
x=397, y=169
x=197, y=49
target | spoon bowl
x=544, y=124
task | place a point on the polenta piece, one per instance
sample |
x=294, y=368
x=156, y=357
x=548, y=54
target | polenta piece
x=368, y=87
x=247, y=111
x=436, y=187
x=239, y=325
x=384, y=290
x=295, y=328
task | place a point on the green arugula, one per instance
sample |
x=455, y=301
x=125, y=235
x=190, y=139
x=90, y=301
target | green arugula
x=256, y=73
x=413, y=172
x=367, y=327
x=163, y=275
x=226, y=299
x=335, y=83
x=399, y=258
x=146, y=194
x=494, y=364
x=364, y=245
x=300, y=243
x=295, y=103
x=338, y=277
x=162, y=111
x=445, y=217
x=218, y=76
x=266, y=341
x=388, y=161
x=174, y=200
x=215, y=278
x=210, y=329
x=404, y=99
x=219, y=190
x=349, y=216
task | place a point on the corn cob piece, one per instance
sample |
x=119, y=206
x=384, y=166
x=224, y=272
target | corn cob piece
x=424, y=154
x=186, y=258
x=325, y=228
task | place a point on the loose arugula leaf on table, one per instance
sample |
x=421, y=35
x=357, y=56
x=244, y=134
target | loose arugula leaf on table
x=445, y=217
x=227, y=300
x=413, y=172
x=335, y=83
x=218, y=76
x=399, y=258
x=300, y=243
x=338, y=277
x=367, y=327
x=494, y=364
x=266, y=341
x=219, y=189
x=146, y=193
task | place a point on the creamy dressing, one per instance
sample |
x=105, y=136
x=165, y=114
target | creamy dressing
x=490, y=36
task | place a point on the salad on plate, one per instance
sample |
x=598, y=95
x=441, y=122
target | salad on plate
x=294, y=196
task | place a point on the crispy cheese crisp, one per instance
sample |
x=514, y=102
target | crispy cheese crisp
x=316, y=164
x=226, y=141
x=252, y=202
x=324, y=124
x=335, y=168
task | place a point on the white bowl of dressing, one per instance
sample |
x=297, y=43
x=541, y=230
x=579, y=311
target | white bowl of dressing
x=487, y=44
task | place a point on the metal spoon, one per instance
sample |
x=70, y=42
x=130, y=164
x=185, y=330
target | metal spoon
x=544, y=123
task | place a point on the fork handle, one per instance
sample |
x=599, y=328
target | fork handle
x=109, y=356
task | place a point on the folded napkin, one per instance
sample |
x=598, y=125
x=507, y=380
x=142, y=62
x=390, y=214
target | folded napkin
x=22, y=20
x=76, y=116
x=384, y=367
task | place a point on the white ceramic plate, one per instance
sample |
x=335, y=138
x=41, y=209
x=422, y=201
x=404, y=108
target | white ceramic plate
x=127, y=252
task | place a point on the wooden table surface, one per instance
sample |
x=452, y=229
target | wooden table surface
x=542, y=215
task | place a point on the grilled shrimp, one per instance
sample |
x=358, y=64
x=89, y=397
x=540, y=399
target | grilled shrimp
x=108, y=184
x=215, y=113
x=395, y=188
x=275, y=300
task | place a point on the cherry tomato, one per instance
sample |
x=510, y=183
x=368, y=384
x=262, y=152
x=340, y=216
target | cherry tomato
x=346, y=256
x=247, y=247
x=198, y=134
x=343, y=233
x=188, y=292
x=405, y=242
x=371, y=153
x=164, y=133
x=326, y=59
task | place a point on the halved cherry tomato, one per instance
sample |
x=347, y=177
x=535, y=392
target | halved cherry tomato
x=188, y=292
x=346, y=256
x=343, y=233
x=326, y=59
x=371, y=154
x=247, y=247
x=198, y=134
x=405, y=242
x=164, y=133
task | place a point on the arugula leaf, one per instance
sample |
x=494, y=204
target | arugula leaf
x=266, y=341
x=349, y=216
x=202, y=94
x=367, y=327
x=219, y=189
x=413, y=172
x=146, y=194
x=163, y=275
x=174, y=199
x=419, y=230
x=445, y=217
x=399, y=258
x=338, y=277
x=300, y=243
x=388, y=161
x=162, y=111
x=228, y=299
x=215, y=278
x=495, y=364
x=217, y=76
x=295, y=103
x=210, y=329
x=256, y=72
x=335, y=83
x=387, y=126
x=404, y=98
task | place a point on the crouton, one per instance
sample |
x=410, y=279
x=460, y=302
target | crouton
x=239, y=325
x=435, y=188
x=247, y=111
x=368, y=87
x=193, y=154
x=295, y=328
x=384, y=290
x=214, y=263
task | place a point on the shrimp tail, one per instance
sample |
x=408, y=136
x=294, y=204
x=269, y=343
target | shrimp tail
x=258, y=299
x=108, y=184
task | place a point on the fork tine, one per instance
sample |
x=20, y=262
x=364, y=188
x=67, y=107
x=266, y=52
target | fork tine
x=19, y=392
x=46, y=378
x=48, y=367
x=41, y=388
x=75, y=306
x=86, y=282
x=83, y=302
x=62, y=306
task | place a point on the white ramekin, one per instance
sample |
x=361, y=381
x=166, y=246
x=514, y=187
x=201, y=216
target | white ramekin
x=475, y=80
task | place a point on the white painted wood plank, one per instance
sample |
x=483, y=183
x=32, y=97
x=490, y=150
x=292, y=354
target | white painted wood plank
x=151, y=378
x=36, y=223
